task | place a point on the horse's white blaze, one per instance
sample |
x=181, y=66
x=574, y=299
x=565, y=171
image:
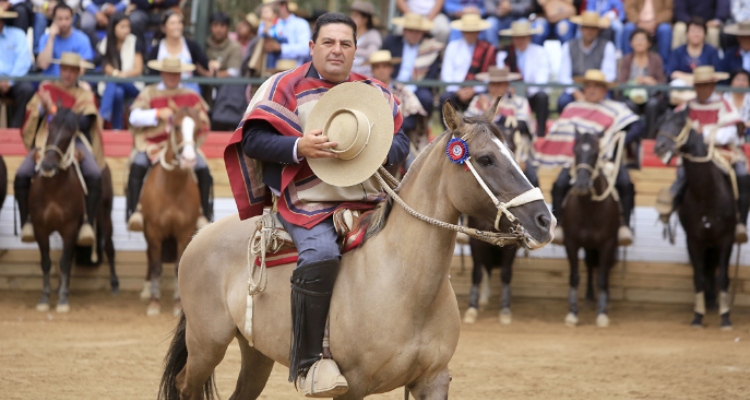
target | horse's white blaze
x=504, y=150
x=188, y=129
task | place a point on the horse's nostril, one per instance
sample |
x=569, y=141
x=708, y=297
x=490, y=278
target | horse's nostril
x=543, y=221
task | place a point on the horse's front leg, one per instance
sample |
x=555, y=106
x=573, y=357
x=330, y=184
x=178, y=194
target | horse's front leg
x=182, y=243
x=470, y=316
x=506, y=275
x=606, y=261
x=43, y=242
x=154, y=268
x=433, y=387
x=575, y=278
x=697, y=255
x=66, y=265
x=724, y=300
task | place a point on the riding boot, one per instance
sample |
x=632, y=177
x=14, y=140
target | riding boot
x=205, y=183
x=86, y=235
x=21, y=187
x=627, y=204
x=134, y=217
x=312, y=289
x=743, y=204
x=558, y=196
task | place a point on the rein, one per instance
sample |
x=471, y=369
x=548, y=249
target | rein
x=610, y=174
x=172, y=145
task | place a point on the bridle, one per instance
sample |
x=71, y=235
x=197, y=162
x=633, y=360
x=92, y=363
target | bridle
x=172, y=145
x=599, y=168
x=67, y=158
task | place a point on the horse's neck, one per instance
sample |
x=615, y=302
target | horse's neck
x=704, y=178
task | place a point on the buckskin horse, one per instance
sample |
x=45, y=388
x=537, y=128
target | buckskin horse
x=170, y=204
x=591, y=214
x=485, y=256
x=56, y=204
x=394, y=320
x=708, y=211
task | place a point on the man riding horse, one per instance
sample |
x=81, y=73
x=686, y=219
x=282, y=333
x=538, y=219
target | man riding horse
x=276, y=132
x=599, y=115
x=718, y=121
x=513, y=112
x=39, y=112
x=151, y=123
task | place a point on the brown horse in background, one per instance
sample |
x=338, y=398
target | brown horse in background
x=56, y=204
x=170, y=203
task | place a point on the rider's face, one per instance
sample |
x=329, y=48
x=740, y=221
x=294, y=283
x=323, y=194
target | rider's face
x=703, y=91
x=333, y=51
x=594, y=92
x=171, y=79
x=69, y=75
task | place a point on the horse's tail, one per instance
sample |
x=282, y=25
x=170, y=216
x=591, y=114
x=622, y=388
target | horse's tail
x=175, y=362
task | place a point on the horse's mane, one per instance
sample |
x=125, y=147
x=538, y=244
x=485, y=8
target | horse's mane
x=66, y=119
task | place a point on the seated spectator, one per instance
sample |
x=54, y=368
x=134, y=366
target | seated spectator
x=613, y=11
x=123, y=58
x=564, y=30
x=738, y=58
x=455, y=9
x=739, y=11
x=430, y=10
x=96, y=15
x=172, y=44
x=43, y=17
x=585, y=53
x=643, y=67
x=247, y=30
x=296, y=33
x=740, y=100
x=465, y=58
x=655, y=17
x=420, y=55
x=695, y=53
x=148, y=13
x=368, y=38
x=15, y=60
x=502, y=13
x=716, y=12
x=62, y=38
x=227, y=101
x=23, y=11
x=531, y=61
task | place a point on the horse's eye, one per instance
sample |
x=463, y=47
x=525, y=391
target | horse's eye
x=485, y=161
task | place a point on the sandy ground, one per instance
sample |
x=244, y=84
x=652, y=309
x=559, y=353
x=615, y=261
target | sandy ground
x=106, y=348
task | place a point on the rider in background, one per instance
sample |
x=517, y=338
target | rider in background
x=39, y=112
x=151, y=122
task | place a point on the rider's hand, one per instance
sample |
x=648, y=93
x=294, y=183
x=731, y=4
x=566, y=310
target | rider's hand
x=164, y=114
x=315, y=145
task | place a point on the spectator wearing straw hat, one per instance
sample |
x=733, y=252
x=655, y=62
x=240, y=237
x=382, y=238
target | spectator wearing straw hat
x=714, y=12
x=148, y=13
x=530, y=60
x=614, y=13
x=23, y=11
x=15, y=60
x=738, y=57
x=431, y=10
x=585, y=53
x=419, y=54
x=654, y=16
x=464, y=59
x=502, y=13
x=368, y=38
x=296, y=31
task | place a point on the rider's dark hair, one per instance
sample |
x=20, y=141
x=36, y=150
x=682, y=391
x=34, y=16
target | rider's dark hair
x=333, y=18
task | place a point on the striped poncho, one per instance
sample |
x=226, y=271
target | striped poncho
x=604, y=118
x=285, y=101
x=717, y=113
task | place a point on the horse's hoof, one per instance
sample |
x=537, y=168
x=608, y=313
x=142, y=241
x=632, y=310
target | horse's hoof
x=602, y=321
x=470, y=316
x=146, y=292
x=154, y=308
x=63, y=308
x=697, y=321
x=726, y=328
x=42, y=307
x=506, y=317
x=571, y=320
x=115, y=292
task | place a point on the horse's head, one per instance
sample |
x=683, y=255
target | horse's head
x=186, y=126
x=62, y=128
x=499, y=192
x=586, y=153
x=674, y=132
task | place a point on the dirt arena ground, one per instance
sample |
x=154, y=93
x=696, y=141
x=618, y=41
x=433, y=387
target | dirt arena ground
x=106, y=348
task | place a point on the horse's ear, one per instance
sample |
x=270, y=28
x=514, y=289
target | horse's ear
x=451, y=118
x=490, y=113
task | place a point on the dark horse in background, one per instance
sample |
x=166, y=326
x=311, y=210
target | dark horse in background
x=708, y=213
x=3, y=181
x=56, y=204
x=590, y=223
x=485, y=256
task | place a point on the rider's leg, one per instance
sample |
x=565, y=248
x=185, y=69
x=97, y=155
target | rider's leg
x=205, y=183
x=312, y=288
x=626, y=190
x=92, y=175
x=21, y=187
x=559, y=191
x=138, y=170
x=743, y=203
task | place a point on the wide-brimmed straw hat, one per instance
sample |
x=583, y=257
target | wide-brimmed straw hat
x=470, y=23
x=590, y=19
x=596, y=76
x=8, y=14
x=740, y=29
x=364, y=7
x=495, y=74
x=357, y=117
x=382, y=56
x=253, y=20
x=73, y=60
x=172, y=64
x=413, y=21
x=520, y=29
x=707, y=74
x=285, y=65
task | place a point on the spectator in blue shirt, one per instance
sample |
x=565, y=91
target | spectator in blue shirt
x=695, y=53
x=15, y=60
x=96, y=15
x=148, y=13
x=62, y=38
x=715, y=12
x=297, y=33
x=43, y=17
x=738, y=57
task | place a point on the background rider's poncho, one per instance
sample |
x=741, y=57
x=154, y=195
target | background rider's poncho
x=717, y=113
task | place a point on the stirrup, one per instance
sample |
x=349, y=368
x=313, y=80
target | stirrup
x=559, y=236
x=624, y=236
x=323, y=380
x=27, y=233
x=86, y=235
x=740, y=234
x=135, y=222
